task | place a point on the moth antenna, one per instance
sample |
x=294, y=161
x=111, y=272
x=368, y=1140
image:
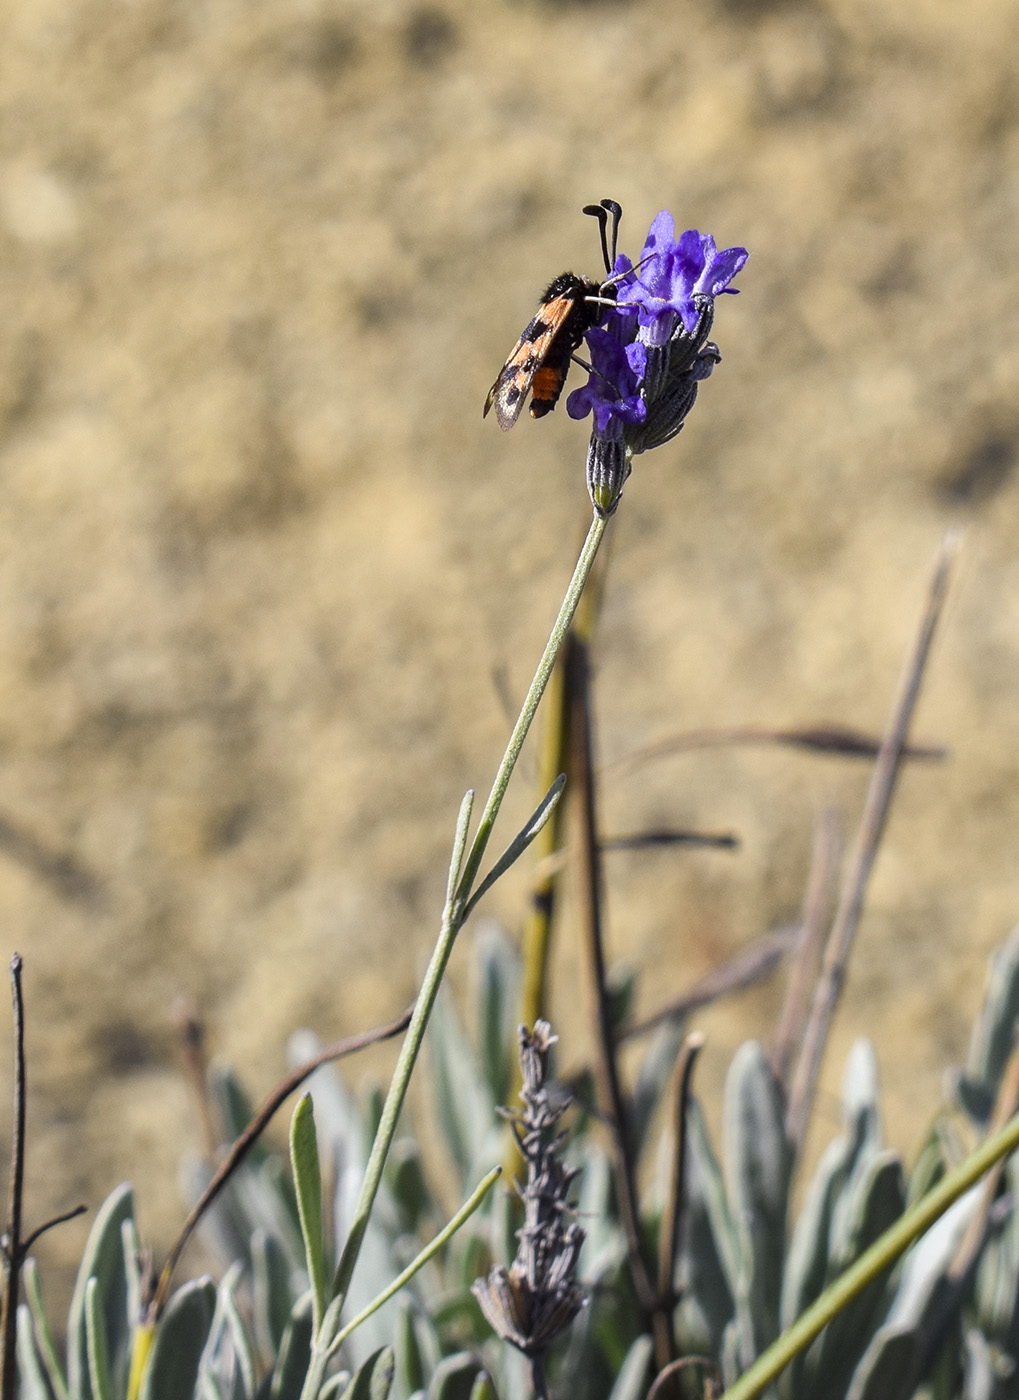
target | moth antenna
x=599, y=212
x=616, y=211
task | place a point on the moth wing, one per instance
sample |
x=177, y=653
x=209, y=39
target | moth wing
x=510, y=390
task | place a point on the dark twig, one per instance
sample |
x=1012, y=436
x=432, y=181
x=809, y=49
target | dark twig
x=668, y=1374
x=641, y=840
x=192, y=1042
x=749, y=966
x=250, y=1136
x=672, y=1216
x=11, y=1243
x=839, y=739
x=606, y=1070
x=806, y=959
x=60, y=1219
x=872, y=825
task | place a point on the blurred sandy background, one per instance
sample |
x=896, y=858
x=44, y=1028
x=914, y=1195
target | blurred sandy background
x=267, y=579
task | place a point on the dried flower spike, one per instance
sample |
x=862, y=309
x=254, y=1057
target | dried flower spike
x=529, y=1304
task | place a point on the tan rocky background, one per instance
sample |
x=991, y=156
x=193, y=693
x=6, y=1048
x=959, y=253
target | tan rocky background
x=268, y=582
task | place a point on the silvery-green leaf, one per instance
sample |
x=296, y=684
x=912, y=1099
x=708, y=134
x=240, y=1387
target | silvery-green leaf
x=878, y=1198
x=703, y=1164
x=234, y=1110
x=408, y=1185
x=861, y=1096
x=335, y=1386
x=102, y=1260
x=499, y=975
x=340, y=1119
x=973, y=1096
x=45, y=1345
x=243, y=1349
x=373, y=1380
x=32, y=1383
x=95, y=1331
x=653, y=1077
x=294, y=1355
x=806, y=1266
x=131, y=1246
x=604, y=1245
x=928, y=1169
x=272, y=1293
x=308, y=1185
x=453, y=1378
x=410, y=1371
x=465, y=1109
x=180, y=1339
x=888, y=1370
x=993, y=1033
x=631, y=1380
x=758, y=1166
x=987, y=1371
x=706, y=1303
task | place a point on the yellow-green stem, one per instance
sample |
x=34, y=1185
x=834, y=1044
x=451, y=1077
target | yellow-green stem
x=881, y=1255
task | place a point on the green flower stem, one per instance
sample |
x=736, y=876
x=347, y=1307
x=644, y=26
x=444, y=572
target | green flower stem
x=447, y=1233
x=452, y=921
x=873, y=1262
x=562, y=625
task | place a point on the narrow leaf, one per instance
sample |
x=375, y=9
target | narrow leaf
x=98, y=1357
x=32, y=1379
x=102, y=1260
x=180, y=1340
x=631, y=1382
x=454, y=1377
x=308, y=1184
x=294, y=1355
x=463, y=824
x=43, y=1333
x=520, y=842
x=374, y=1379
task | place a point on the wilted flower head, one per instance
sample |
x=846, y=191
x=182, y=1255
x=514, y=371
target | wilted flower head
x=649, y=357
x=530, y=1303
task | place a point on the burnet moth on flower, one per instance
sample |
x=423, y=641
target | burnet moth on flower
x=569, y=308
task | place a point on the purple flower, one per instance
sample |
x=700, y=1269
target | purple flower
x=612, y=393
x=676, y=276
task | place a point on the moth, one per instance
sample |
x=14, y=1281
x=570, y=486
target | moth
x=570, y=306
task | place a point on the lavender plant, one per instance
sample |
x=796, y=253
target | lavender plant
x=316, y=1255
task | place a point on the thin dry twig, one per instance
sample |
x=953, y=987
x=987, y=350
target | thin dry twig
x=839, y=739
x=669, y=836
x=11, y=1244
x=1006, y=1103
x=672, y=1216
x=250, y=1136
x=749, y=966
x=667, y=1375
x=872, y=825
x=606, y=1070
x=806, y=958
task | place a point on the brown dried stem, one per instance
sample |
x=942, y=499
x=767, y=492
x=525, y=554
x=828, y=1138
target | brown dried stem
x=250, y=1136
x=872, y=825
x=606, y=1070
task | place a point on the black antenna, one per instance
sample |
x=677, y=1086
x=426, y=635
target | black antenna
x=597, y=211
x=616, y=211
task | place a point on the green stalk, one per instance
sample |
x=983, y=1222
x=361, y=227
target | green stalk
x=430, y=1250
x=873, y=1262
x=452, y=921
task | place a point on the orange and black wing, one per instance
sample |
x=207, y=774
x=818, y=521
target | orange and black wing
x=541, y=357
